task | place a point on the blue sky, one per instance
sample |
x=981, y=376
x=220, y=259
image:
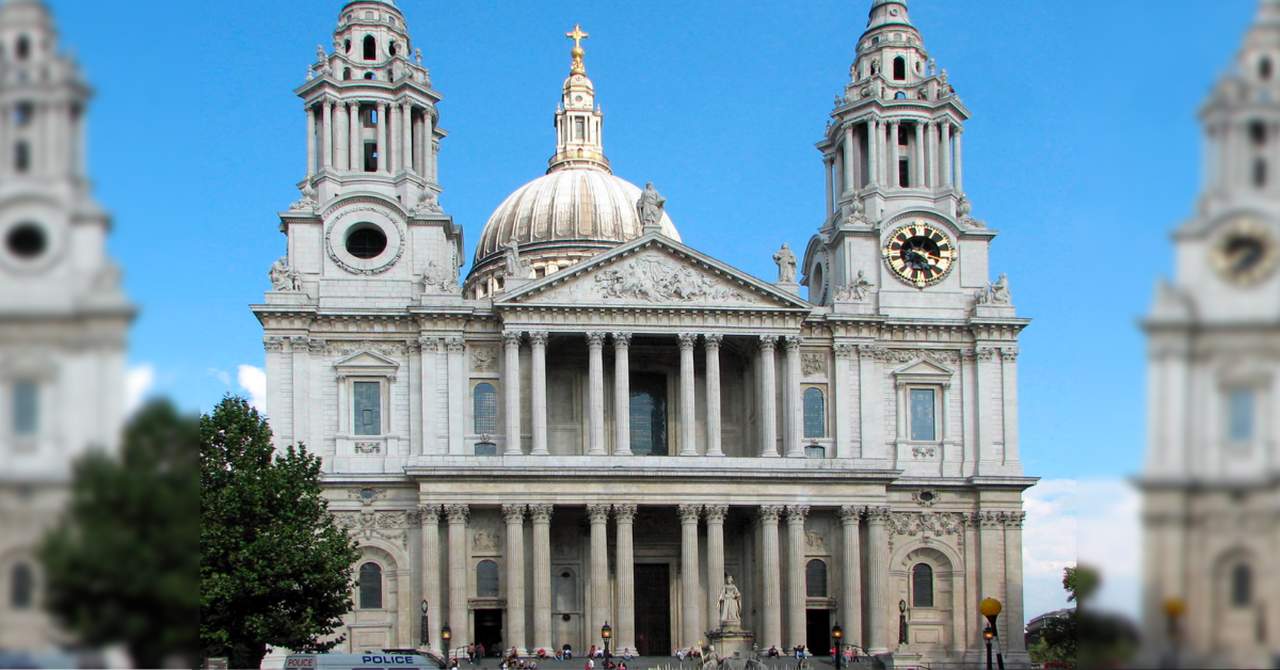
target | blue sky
x=1083, y=151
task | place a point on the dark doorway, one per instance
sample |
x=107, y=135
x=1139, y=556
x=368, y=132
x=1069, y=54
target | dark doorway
x=653, y=609
x=649, y=415
x=818, y=632
x=489, y=631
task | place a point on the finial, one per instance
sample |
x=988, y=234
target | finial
x=577, y=35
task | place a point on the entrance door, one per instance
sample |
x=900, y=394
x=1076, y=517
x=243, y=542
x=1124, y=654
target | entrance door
x=648, y=415
x=818, y=631
x=489, y=631
x=653, y=609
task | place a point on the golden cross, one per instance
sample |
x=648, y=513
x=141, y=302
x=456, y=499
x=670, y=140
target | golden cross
x=577, y=36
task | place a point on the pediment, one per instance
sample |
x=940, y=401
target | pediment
x=924, y=368
x=368, y=363
x=654, y=271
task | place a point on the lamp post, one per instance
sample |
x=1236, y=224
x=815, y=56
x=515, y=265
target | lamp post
x=423, y=631
x=606, y=632
x=990, y=608
x=1174, y=608
x=837, y=634
x=445, y=636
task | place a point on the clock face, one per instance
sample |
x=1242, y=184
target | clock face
x=920, y=254
x=1246, y=252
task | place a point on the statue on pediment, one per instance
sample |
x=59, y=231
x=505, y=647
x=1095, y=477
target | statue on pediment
x=997, y=293
x=649, y=207
x=284, y=278
x=786, y=260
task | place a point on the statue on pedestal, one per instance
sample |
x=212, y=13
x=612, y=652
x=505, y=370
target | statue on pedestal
x=649, y=207
x=786, y=261
x=730, y=604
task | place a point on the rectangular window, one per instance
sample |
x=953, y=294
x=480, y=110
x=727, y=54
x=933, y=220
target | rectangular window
x=26, y=408
x=370, y=156
x=924, y=425
x=579, y=130
x=1240, y=415
x=368, y=408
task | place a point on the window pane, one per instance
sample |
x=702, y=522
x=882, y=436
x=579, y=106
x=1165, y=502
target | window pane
x=922, y=585
x=1241, y=585
x=485, y=408
x=371, y=586
x=815, y=579
x=21, y=587
x=1240, y=405
x=649, y=415
x=26, y=408
x=368, y=408
x=923, y=421
x=487, y=579
x=815, y=413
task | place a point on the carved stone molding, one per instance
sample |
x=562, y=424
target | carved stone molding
x=595, y=339
x=797, y=513
x=484, y=540
x=661, y=280
x=598, y=513
x=792, y=342
x=985, y=353
x=878, y=515
x=813, y=364
x=715, y=513
x=851, y=514
x=844, y=350
x=624, y=512
x=483, y=359
x=429, y=515
x=457, y=513
x=541, y=512
x=888, y=355
x=770, y=513
x=712, y=340
x=621, y=340
x=1009, y=353
x=389, y=526
x=456, y=345
x=367, y=495
x=768, y=342
x=688, y=341
x=925, y=497
x=273, y=344
x=689, y=513
x=926, y=524
x=815, y=542
x=511, y=338
x=513, y=513
x=539, y=338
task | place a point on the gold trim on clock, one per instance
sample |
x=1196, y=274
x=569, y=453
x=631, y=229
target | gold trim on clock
x=919, y=254
x=1246, y=252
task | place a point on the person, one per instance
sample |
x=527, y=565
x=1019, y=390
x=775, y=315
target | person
x=773, y=651
x=453, y=663
x=480, y=651
x=591, y=664
x=568, y=652
x=471, y=652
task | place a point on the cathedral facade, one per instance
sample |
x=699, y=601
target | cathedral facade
x=600, y=424
x=1213, y=334
x=63, y=317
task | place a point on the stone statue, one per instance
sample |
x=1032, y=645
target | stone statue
x=283, y=278
x=730, y=604
x=516, y=269
x=320, y=55
x=308, y=199
x=417, y=55
x=997, y=293
x=860, y=287
x=786, y=261
x=649, y=206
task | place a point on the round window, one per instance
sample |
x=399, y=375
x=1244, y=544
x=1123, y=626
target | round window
x=366, y=241
x=26, y=240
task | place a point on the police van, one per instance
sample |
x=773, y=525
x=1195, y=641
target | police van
x=366, y=661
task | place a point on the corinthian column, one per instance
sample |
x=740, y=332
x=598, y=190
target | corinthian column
x=1012, y=578
x=595, y=396
x=877, y=574
x=599, y=515
x=514, y=515
x=625, y=515
x=768, y=398
x=850, y=576
x=841, y=399
x=383, y=118
x=326, y=134
x=712, y=345
x=538, y=379
x=430, y=516
x=772, y=601
x=794, y=411
x=690, y=594
x=355, y=147
x=715, y=560
x=311, y=141
x=406, y=130
x=511, y=391
x=541, y=515
x=795, y=574
x=621, y=395
x=688, y=420
x=458, y=574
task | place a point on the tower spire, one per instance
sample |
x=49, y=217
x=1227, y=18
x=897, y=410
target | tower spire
x=577, y=35
x=579, y=122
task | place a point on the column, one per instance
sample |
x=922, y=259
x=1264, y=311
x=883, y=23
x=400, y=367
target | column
x=959, y=159
x=946, y=153
x=430, y=516
x=538, y=380
x=919, y=155
x=794, y=410
x=849, y=162
x=511, y=391
x=406, y=130
x=625, y=516
x=355, y=150
x=715, y=560
x=841, y=400
x=383, y=165
x=392, y=146
x=893, y=155
x=622, y=395
x=873, y=152
x=690, y=594
x=457, y=349
x=711, y=343
x=326, y=134
x=341, y=132
x=796, y=620
x=595, y=397
x=768, y=399
x=771, y=603
x=311, y=141
x=688, y=419
x=1013, y=575
x=827, y=162
x=514, y=516
x=991, y=557
x=851, y=575
x=1009, y=404
x=427, y=142
x=877, y=574
x=457, y=620
x=540, y=514
x=599, y=515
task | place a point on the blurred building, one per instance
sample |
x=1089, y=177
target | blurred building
x=63, y=318
x=1212, y=524
x=602, y=424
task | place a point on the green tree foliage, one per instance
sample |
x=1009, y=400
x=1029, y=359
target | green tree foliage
x=120, y=565
x=275, y=569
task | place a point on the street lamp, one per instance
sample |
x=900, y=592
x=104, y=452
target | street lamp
x=837, y=634
x=423, y=631
x=990, y=608
x=606, y=632
x=1174, y=608
x=445, y=636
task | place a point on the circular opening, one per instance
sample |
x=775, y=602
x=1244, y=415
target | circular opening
x=926, y=496
x=26, y=240
x=366, y=241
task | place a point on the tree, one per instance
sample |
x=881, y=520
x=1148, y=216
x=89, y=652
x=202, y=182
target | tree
x=120, y=564
x=275, y=569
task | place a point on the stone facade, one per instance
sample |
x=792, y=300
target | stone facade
x=608, y=422
x=63, y=318
x=1213, y=335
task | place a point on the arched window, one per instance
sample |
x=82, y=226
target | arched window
x=485, y=408
x=371, y=586
x=370, y=48
x=1264, y=69
x=391, y=48
x=815, y=413
x=21, y=157
x=815, y=579
x=1260, y=173
x=22, y=587
x=486, y=579
x=346, y=45
x=346, y=73
x=22, y=50
x=1241, y=585
x=922, y=585
x=899, y=68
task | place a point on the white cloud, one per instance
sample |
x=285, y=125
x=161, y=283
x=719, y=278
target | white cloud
x=1048, y=543
x=253, y=381
x=138, y=381
x=220, y=375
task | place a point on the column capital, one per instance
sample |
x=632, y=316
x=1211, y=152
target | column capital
x=513, y=513
x=878, y=515
x=688, y=340
x=621, y=340
x=850, y=514
x=770, y=513
x=797, y=513
x=456, y=345
x=429, y=514
x=712, y=340
x=598, y=513
x=689, y=513
x=845, y=350
x=625, y=512
x=538, y=337
x=595, y=339
x=768, y=342
x=457, y=513
x=792, y=342
x=715, y=513
x=511, y=337
x=541, y=512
